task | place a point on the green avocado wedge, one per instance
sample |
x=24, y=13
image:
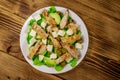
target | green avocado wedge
x=49, y=62
x=56, y=16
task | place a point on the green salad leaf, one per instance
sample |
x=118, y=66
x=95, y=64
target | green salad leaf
x=58, y=67
x=31, y=22
x=29, y=37
x=69, y=18
x=73, y=43
x=54, y=49
x=39, y=21
x=47, y=54
x=48, y=41
x=36, y=60
x=52, y=9
x=73, y=62
x=78, y=32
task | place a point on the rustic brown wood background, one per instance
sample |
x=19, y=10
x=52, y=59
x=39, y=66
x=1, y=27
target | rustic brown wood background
x=102, y=18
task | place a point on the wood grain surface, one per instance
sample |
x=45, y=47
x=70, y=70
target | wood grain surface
x=102, y=18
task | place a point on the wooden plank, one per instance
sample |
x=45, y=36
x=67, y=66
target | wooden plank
x=14, y=69
x=108, y=7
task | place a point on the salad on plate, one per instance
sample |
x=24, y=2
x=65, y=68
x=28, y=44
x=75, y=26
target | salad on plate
x=54, y=39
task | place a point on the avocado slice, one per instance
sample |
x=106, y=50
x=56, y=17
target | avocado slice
x=56, y=16
x=49, y=62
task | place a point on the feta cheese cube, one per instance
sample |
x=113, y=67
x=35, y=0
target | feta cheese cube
x=69, y=32
x=43, y=24
x=32, y=41
x=33, y=33
x=53, y=56
x=61, y=32
x=41, y=57
x=49, y=48
x=44, y=41
x=54, y=34
x=37, y=17
x=78, y=46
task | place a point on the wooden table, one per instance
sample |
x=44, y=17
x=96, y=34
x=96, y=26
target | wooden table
x=102, y=18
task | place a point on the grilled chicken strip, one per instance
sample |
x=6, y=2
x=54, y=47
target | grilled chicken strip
x=63, y=58
x=70, y=39
x=42, y=49
x=52, y=23
x=71, y=49
x=55, y=42
x=73, y=26
x=64, y=20
x=34, y=49
x=40, y=31
x=45, y=13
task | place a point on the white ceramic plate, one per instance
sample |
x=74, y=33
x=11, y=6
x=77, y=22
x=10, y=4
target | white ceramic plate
x=43, y=68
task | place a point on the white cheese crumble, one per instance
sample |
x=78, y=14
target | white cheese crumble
x=44, y=41
x=78, y=46
x=54, y=34
x=69, y=32
x=53, y=56
x=37, y=17
x=61, y=32
x=32, y=41
x=49, y=48
x=33, y=33
x=41, y=57
x=43, y=24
